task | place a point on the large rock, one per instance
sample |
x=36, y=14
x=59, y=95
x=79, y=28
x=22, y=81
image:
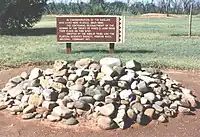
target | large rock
x=111, y=62
x=150, y=96
x=107, y=109
x=49, y=104
x=35, y=73
x=70, y=121
x=142, y=86
x=132, y=64
x=126, y=94
x=35, y=99
x=29, y=109
x=62, y=112
x=53, y=118
x=105, y=123
x=83, y=63
x=60, y=65
x=50, y=94
x=13, y=92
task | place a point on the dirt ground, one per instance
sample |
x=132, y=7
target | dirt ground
x=181, y=126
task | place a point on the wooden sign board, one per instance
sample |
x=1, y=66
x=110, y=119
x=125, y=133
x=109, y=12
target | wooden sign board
x=90, y=29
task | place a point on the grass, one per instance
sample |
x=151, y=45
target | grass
x=155, y=42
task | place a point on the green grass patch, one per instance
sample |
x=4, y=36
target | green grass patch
x=155, y=42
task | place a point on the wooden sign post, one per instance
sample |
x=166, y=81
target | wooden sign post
x=90, y=29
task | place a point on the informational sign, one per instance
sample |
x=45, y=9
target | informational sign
x=90, y=29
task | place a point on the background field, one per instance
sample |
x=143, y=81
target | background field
x=155, y=42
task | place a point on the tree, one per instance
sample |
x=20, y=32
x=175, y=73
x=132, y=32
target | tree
x=16, y=15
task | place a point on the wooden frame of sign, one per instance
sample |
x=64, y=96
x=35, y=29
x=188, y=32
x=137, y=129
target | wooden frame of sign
x=90, y=29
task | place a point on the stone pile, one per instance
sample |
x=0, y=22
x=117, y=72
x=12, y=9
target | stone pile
x=110, y=94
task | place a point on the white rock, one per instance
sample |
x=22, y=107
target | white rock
x=111, y=62
x=125, y=94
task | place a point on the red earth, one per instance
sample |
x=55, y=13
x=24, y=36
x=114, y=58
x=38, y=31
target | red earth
x=181, y=126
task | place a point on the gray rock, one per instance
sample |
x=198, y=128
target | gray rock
x=132, y=64
x=87, y=99
x=70, y=121
x=60, y=73
x=49, y=105
x=119, y=70
x=48, y=72
x=134, y=85
x=98, y=97
x=107, y=109
x=119, y=120
x=184, y=110
x=137, y=107
x=149, y=80
x=53, y=118
x=72, y=77
x=191, y=99
x=75, y=95
x=59, y=65
x=150, y=96
x=28, y=116
x=35, y=83
x=63, y=112
x=142, y=86
x=38, y=116
x=35, y=73
x=82, y=72
x=16, y=80
x=160, y=103
x=16, y=108
x=16, y=90
x=162, y=118
x=122, y=84
x=77, y=87
x=24, y=75
x=83, y=63
x=173, y=97
x=126, y=94
x=19, y=97
x=70, y=105
x=111, y=62
x=143, y=100
x=95, y=67
x=108, y=71
x=50, y=94
x=157, y=108
x=107, y=88
x=128, y=77
x=105, y=123
x=62, y=95
x=29, y=109
x=80, y=104
x=35, y=99
x=60, y=80
x=80, y=81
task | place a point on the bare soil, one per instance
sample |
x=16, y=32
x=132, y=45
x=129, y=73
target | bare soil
x=181, y=126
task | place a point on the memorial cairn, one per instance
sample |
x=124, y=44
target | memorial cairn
x=110, y=94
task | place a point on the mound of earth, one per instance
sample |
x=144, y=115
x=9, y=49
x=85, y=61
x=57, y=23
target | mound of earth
x=108, y=92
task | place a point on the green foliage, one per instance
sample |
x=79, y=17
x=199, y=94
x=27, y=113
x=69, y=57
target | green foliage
x=16, y=15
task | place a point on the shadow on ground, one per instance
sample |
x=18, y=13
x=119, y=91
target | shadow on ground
x=35, y=32
x=116, y=51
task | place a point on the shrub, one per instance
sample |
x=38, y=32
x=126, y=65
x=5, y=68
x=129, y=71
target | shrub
x=16, y=15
